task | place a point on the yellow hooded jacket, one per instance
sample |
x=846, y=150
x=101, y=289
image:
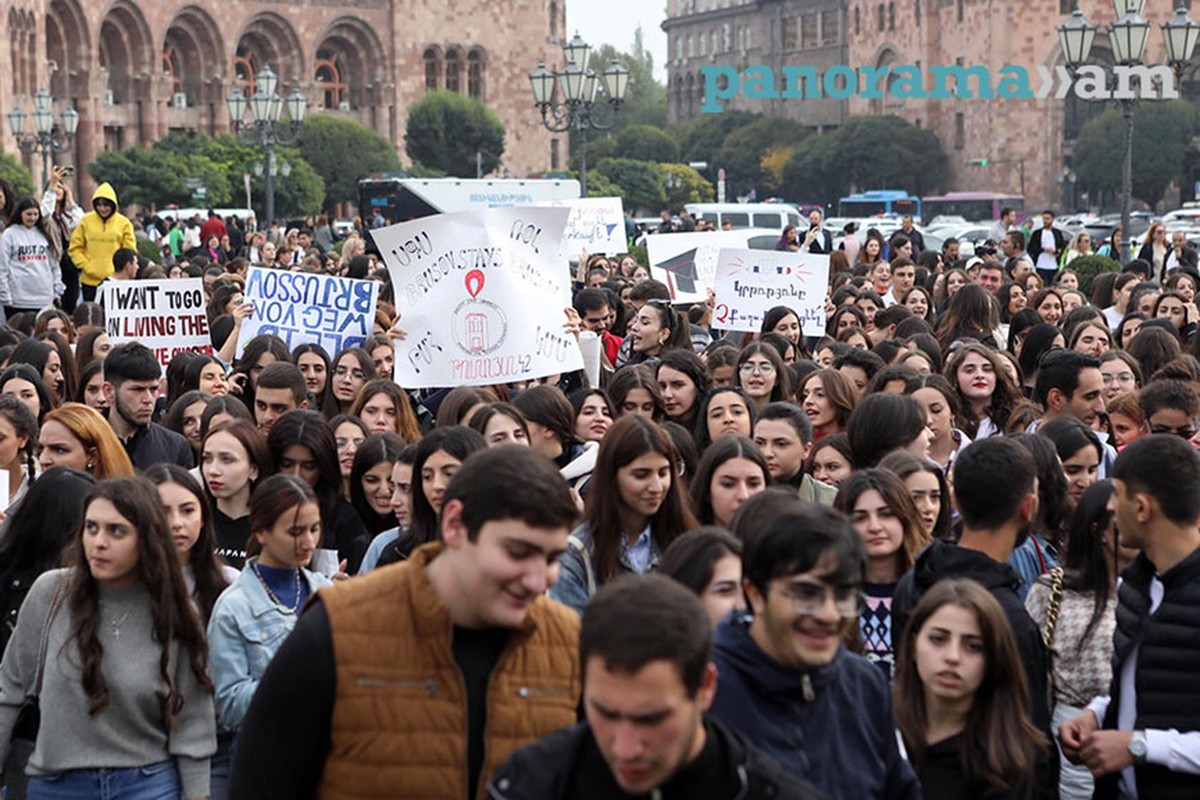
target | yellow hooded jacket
x=95, y=239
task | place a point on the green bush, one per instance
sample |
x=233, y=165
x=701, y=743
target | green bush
x=1088, y=267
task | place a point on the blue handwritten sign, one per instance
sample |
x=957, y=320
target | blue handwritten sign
x=300, y=307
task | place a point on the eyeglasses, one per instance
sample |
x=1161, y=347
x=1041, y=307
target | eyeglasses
x=358, y=374
x=1120, y=377
x=1184, y=431
x=750, y=368
x=809, y=598
x=344, y=443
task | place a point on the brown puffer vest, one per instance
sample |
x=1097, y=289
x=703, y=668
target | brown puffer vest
x=400, y=717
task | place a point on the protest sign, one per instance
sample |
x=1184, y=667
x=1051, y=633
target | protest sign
x=300, y=307
x=596, y=224
x=480, y=296
x=168, y=316
x=751, y=282
x=687, y=262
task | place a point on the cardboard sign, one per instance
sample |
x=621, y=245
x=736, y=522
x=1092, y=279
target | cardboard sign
x=480, y=296
x=168, y=316
x=300, y=307
x=596, y=224
x=687, y=262
x=749, y=283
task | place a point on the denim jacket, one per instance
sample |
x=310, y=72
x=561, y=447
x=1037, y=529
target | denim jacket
x=245, y=631
x=577, y=579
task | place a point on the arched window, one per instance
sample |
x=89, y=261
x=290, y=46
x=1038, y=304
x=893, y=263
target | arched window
x=891, y=16
x=433, y=69
x=329, y=75
x=475, y=63
x=453, y=70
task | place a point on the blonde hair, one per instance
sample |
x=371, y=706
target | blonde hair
x=95, y=434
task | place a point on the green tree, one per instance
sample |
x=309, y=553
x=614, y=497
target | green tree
x=1162, y=134
x=645, y=98
x=643, y=183
x=16, y=174
x=743, y=149
x=866, y=152
x=343, y=152
x=144, y=176
x=700, y=138
x=685, y=185
x=646, y=143
x=446, y=129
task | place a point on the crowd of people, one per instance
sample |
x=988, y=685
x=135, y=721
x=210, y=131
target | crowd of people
x=879, y=563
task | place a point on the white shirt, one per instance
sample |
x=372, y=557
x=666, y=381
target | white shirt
x=1178, y=752
x=1045, y=260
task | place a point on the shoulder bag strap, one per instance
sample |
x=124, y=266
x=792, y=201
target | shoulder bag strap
x=588, y=570
x=1056, y=591
x=55, y=604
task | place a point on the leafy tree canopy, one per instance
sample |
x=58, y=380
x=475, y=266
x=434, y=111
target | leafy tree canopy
x=343, y=152
x=446, y=129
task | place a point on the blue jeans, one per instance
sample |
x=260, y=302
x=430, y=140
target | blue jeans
x=221, y=766
x=152, y=782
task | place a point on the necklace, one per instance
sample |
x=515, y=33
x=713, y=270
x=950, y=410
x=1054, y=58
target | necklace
x=115, y=625
x=271, y=592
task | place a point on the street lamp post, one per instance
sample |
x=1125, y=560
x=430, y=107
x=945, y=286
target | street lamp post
x=46, y=138
x=263, y=125
x=580, y=89
x=1128, y=36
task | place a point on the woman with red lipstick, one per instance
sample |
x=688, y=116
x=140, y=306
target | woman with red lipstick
x=883, y=513
x=257, y=612
x=986, y=394
x=961, y=700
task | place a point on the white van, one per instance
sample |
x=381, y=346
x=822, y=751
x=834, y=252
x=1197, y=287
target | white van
x=775, y=216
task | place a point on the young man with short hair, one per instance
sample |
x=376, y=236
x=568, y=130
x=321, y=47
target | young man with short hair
x=1017, y=263
x=995, y=485
x=1143, y=739
x=1071, y=384
x=418, y=680
x=280, y=388
x=990, y=277
x=784, y=434
x=998, y=231
x=786, y=681
x=125, y=265
x=131, y=379
x=648, y=679
x=1170, y=407
x=904, y=275
x=597, y=314
x=1046, y=246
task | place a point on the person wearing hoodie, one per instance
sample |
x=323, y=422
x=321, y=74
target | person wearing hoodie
x=995, y=484
x=30, y=278
x=648, y=678
x=787, y=682
x=100, y=233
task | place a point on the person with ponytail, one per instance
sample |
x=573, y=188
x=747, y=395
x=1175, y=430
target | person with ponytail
x=118, y=652
x=18, y=440
x=257, y=612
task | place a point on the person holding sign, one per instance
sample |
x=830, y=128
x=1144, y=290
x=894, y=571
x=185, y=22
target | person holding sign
x=30, y=279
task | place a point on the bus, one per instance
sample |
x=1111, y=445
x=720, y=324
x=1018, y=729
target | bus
x=883, y=201
x=973, y=206
x=399, y=199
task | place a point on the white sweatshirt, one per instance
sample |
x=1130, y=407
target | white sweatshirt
x=29, y=276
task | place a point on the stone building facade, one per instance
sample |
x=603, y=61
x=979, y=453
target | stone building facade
x=743, y=33
x=136, y=71
x=993, y=33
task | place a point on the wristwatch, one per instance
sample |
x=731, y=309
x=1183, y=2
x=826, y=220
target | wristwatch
x=1137, y=747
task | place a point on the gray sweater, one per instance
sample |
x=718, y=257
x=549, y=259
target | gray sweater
x=131, y=732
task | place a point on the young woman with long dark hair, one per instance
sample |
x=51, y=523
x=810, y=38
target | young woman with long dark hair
x=125, y=696
x=189, y=518
x=437, y=460
x=371, y=481
x=683, y=381
x=384, y=408
x=731, y=471
x=926, y=484
x=985, y=393
x=708, y=561
x=883, y=513
x=961, y=700
x=259, y=609
x=352, y=368
x=635, y=508
x=233, y=459
x=302, y=444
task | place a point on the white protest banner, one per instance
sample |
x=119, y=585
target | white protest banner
x=300, y=307
x=687, y=262
x=751, y=282
x=480, y=297
x=168, y=316
x=596, y=224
